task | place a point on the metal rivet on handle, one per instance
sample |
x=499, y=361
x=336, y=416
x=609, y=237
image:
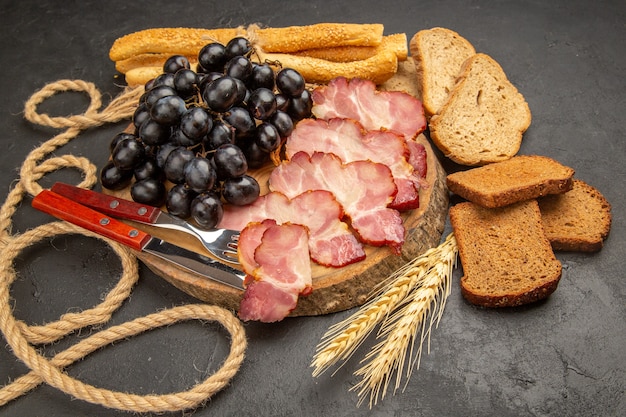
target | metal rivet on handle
x=114, y=204
x=133, y=233
x=104, y=221
x=142, y=211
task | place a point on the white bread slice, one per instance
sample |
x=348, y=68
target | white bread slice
x=438, y=55
x=484, y=118
x=579, y=220
x=507, y=259
x=522, y=177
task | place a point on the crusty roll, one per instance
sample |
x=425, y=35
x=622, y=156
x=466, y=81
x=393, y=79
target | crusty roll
x=379, y=68
x=185, y=41
x=298, y=38
x=319, y=52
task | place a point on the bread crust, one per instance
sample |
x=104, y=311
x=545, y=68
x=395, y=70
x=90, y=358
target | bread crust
x=579, y=220
x=507, y=259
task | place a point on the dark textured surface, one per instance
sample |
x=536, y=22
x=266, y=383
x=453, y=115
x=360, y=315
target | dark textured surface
x=561, y=357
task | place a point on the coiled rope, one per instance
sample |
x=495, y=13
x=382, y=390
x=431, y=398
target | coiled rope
x=22, y=338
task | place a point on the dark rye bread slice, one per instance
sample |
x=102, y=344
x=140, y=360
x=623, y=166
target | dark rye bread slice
x=507, y=259
x=438, y=55
x=579, y=220
x=484, y=118
x=520, y=178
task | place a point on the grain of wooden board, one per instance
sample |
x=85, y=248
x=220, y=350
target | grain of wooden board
x=334, y=289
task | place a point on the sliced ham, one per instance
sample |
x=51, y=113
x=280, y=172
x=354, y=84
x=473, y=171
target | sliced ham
x=363, y=188
x=331, y=243
x=278, y=267
x=347, y=139
x=358, y=99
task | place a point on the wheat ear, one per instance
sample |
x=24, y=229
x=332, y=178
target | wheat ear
x=405, y=332
x=343, y=338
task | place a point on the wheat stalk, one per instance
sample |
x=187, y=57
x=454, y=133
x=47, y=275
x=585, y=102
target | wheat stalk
x=401, y=305
x=343, y=338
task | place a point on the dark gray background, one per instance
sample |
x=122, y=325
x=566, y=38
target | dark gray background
x=562, y=357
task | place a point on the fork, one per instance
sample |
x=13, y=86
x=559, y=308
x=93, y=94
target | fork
x=222, y=243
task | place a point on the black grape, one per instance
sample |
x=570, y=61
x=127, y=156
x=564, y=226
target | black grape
x=163, y=152
x=207, y=210
x=150, y=191
x=185, y=82
x=195, y=123
x=148, y=169
x=114, y=178
x=238, y=46
x=220, y=94
x=199, y=174
x=212, y=57
x=239, y=67
x=118, y=138
x=241, y=191
x=283, y=123
x=290, y=82
x=158, y=92
x=229, y=161
x=153, y=133
x=175, y=63
x=142, y=113
x=241, y=120
x=300, y=106
x=128, y=153
x=168, y=110
x=262, y=77
x=178, y=201
x=174, y=167
x=166, y=79
x=267, y=137
x=262, y=103
x=221, y=134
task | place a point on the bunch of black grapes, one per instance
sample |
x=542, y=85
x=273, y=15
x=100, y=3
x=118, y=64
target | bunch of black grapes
x=203, y=130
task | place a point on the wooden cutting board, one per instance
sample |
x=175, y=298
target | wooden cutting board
x=334, y=289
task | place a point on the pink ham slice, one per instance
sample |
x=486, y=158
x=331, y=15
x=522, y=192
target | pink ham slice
x=347, y=139
x=278, y=267
x=358, y=99
x=331, y=243
x=363, y=188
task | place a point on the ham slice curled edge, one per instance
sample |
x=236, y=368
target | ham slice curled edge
x=278, y=267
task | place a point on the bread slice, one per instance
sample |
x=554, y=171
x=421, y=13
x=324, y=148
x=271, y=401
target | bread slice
x=522, y=177
x=507, y=259
x=579, y=220
x=438, y=55
x=485, y=116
